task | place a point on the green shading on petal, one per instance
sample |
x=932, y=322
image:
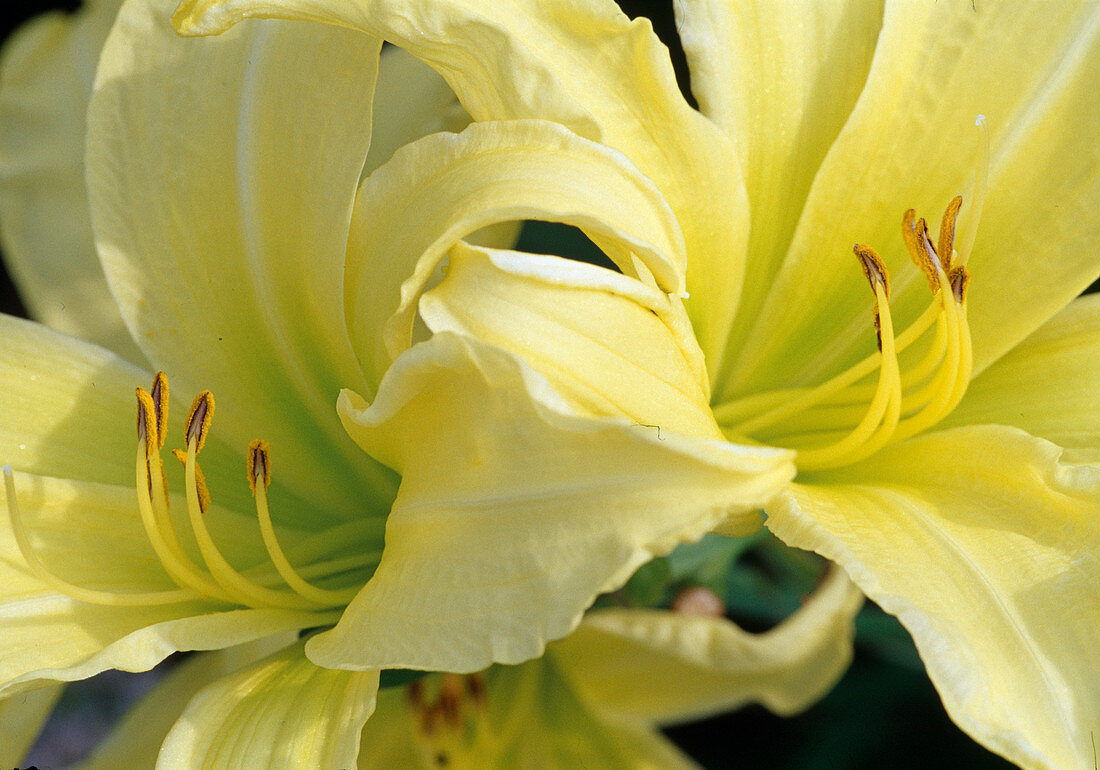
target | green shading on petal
x=225, y=280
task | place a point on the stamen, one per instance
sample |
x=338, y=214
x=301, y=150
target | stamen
x=915, y=236
x=945, y=384
x=200, y=480
x=791, y=402
x=897, y=405
x=259, y=478
x=243, y=590
x=155, y=518
x=959, y=278
x=874, y=430
x=147, y=422
x=159, y=397
x=946, y=243
x=198, y=419
x=874, y=270
x=79, y=593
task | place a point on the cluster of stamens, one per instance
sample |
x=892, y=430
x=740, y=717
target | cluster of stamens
x=816, y=421
x=219, y=581
x=451, y=720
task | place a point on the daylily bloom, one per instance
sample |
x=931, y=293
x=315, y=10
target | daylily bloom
x=223, y=222
x=947, y=457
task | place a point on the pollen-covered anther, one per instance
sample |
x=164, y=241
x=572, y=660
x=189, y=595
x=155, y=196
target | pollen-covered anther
x=874, y=270
x=198, y=420
x=159, y=396
x=451, y=694
x=946, y=242
x=147, y=430
x=200, y=480
x=915, y=235
x=449, y=711
x=905, y=400
x=959, y=278
x=259, y=464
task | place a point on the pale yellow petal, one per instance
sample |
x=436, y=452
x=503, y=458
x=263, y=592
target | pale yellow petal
x=411, y=100
x=90, y=535
x=46, y=77
x=21, y=719
x=663, y=667
x=911, y=142
x=222, y=224
x=584, y=65
x=446, y=186
x=135, y=742
x=987, y=549
x=781, y=78
x=1049, y=384
x=53, y=419
x=280, y=712
x=542, y=510
x=609, y=344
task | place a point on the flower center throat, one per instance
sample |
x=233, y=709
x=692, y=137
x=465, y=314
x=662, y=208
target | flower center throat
x=853, y=415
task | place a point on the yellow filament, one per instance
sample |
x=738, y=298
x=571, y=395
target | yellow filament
x=80, y=593
x=153, y=496
x=873, y=431
x=178, y=566
x=945, y=385
x=858, y=394
x=810, y=397
x=283, y=565
x=900, y=406
x=243, y=590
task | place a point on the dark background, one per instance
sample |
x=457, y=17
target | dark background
x=884, y=713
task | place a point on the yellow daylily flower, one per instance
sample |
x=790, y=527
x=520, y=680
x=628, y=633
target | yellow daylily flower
x=229, y=181
x=960, y=492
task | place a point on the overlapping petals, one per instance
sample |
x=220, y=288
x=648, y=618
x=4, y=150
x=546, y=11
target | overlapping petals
x=585, y=66
x=296, y=714
x=136, y=740
x=445, y=187
x=541, y=511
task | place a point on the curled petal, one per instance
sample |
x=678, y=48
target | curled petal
x=542, y=509
x=664, y=667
